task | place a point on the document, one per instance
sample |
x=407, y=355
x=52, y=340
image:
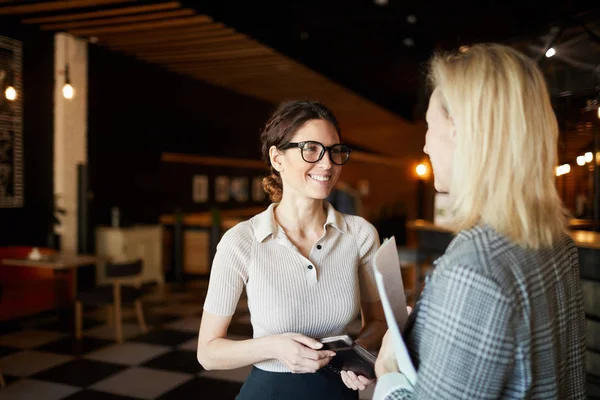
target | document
x=391, y=291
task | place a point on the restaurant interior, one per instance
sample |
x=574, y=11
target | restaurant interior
x=129, y=143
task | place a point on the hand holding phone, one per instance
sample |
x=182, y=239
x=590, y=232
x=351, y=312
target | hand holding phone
x=349, y=356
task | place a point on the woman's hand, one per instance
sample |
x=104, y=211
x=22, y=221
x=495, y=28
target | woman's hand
x=386, y=360
x=355, y=382
x=300, y=353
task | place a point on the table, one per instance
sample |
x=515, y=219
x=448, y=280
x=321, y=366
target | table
x=61, y=264
x=56, y=262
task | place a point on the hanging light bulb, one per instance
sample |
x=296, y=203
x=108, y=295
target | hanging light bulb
x=589, y=156
x=68, y=91
x=550, y=52
x=563, y=169
x=10, y=93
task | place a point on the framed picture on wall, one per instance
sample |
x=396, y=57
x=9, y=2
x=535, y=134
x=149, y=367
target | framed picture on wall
x=11, y=124
x=200, y=188
x=258, y=193
x=239, y=189
x=222, y=189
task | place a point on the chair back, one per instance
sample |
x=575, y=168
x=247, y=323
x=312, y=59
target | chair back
x=122, y=270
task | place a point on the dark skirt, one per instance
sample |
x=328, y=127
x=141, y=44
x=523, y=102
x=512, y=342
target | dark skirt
x=323, y=384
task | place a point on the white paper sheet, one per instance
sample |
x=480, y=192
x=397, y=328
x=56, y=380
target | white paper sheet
x=391, y=291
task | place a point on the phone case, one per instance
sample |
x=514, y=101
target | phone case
x=350, y=357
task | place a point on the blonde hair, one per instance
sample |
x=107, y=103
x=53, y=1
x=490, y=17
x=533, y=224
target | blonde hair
x=506, y=152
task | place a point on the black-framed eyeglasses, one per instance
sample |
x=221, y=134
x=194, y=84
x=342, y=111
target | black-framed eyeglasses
x=313, y=152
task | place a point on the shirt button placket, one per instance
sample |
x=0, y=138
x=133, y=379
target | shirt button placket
x=311, y=274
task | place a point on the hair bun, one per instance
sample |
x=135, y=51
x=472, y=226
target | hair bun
x=273, y=187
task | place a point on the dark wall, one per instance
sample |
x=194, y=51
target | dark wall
x=30, y=224
x=137, y=111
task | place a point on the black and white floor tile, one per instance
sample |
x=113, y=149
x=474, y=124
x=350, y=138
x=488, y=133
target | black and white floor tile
x=41, y=359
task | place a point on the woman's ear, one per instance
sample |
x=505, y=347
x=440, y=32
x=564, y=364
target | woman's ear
x=276, y=158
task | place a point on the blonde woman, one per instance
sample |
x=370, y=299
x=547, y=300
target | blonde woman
x=502, y=315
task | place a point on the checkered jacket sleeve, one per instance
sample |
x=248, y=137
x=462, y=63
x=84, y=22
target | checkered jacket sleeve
x=496, y=321
x=468, y=342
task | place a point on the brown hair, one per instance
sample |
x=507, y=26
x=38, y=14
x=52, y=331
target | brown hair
x=279, y=129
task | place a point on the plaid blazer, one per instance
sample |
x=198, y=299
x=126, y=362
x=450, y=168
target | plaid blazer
x=496, y=321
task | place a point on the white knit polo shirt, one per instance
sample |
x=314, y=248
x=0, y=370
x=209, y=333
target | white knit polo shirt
x=316, y=296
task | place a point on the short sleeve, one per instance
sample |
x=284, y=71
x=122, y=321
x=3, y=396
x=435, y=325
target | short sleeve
x=368, y=242
x=229, y=272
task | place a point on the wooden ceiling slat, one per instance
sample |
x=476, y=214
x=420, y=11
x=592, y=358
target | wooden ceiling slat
x=254, y=74
x=144, y=26
x=249, y=81
x=197, y=50
x=273, y=57
x=280, y=82
x=244, y=74
x=155, y=38
x=266, y=70
x=170, y=40
x=103, y=13
x=217, y=63
x=184, y=60
x=182, y=43
x=268, y=67
x=49, y=6
x=119, y=20
x=208, y=56
x=213, y=27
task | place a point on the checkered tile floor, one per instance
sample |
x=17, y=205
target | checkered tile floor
x=41, y=359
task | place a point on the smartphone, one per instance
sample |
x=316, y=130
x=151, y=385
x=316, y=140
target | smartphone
x=337, y=343
x=349, y=356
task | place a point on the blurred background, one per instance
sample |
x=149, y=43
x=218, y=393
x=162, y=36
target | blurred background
x=129, y=142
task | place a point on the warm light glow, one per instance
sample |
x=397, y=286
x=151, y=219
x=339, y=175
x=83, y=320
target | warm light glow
x=598, y=158
x=589, y=156
x=550, y=52
x=580, y=160
x=421, y=170
x=10, y=93
x=598, y=112
x=563, y=169
x=68, y=91
x=463, y=49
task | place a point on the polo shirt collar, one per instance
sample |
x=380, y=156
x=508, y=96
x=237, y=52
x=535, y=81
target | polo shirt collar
x=265, y=224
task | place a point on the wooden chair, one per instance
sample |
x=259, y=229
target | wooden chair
x=125, y=288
